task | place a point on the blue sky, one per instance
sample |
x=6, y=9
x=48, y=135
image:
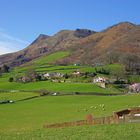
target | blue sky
x=21, y=21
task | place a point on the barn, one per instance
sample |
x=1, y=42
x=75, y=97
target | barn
x=131, y=114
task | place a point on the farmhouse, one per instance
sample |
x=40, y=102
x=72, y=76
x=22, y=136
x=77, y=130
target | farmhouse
x=46, y=75
x=76, y=73
x=127, y=112
x=99, y=80
x=134, y=87
x=23, y=79
x=53, y=75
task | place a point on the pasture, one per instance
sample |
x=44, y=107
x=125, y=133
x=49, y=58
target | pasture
x=34, y=113
x=57, y=87
x=99, y=132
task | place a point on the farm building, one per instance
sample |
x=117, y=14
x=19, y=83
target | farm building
x=53, y=75
x=76, y=73
x=100, y=81
x=131, y=112
x=134, y=87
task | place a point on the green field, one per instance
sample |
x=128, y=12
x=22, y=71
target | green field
x=100, y=132
x=25, y=119
x=36, y=112
x=15, y=96
x=57, y=87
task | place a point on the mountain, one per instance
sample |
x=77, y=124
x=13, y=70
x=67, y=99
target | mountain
x=45, y=44
x=95, y=48
x=85, y=46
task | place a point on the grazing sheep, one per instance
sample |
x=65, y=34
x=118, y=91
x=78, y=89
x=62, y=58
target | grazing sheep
x=91, y=106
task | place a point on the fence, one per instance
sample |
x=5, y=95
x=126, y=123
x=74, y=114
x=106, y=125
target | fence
x=102, y=120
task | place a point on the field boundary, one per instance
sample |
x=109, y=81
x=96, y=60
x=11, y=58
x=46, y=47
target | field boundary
x=131, y=118
x=95, y=121
x=65, y=93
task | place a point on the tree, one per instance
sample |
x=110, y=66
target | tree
x=31, y=74
x=11, y=79
x=119, y=73
x=66, y=76
x=0, y=71
x=112, y=57
x=5, y=68
x=102, y=70
x=38, y=77
x=131, y=63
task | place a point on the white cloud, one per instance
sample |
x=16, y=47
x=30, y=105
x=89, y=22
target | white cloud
x=9, y=43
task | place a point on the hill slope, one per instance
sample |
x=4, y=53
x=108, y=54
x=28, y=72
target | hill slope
x=85, y=46
x=98, y=47
x=45, y=45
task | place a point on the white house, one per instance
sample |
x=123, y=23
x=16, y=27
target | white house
x=99, y=80
x=134, y=87
x=46, y=75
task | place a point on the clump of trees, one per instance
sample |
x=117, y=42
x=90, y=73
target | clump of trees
x=119, y=73
x=4, y=69
x=66, y=76
x=102, y=70
x=131, y=63
x=29, y=76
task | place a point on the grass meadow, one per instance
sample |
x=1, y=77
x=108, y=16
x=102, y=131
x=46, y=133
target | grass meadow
x=24, y=120
x=98, y=132
x=32, y=114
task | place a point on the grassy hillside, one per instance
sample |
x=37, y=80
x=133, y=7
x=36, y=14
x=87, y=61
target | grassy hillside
x=43, y=65
x=57, y=87
x=43, y=61
x=50, y=58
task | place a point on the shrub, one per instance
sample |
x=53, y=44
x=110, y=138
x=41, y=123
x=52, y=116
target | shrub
x=43, y=92
x=66, y=76
x=11, y=79
x=102, y=71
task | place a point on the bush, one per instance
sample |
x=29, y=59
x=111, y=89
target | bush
x=66, y=76
x=43, y=92
x=119, y=82
x=77, y=93
x=102, y=71
x=11, y=79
